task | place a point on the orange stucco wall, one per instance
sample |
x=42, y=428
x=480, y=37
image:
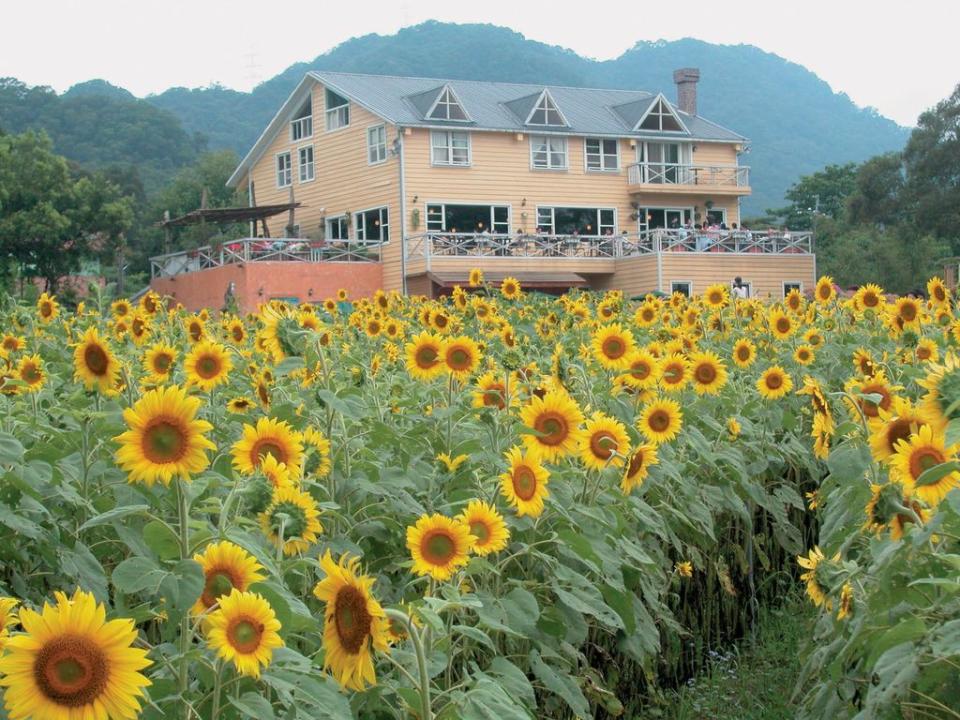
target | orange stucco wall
x=206, y=288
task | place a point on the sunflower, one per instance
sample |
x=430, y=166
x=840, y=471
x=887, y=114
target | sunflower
x=556, y=418
x=612, y=346
x=354, y=622
x=13, y=343
x=744, y=353
x=291, y=520
x=707, y=372
x=236, y=331
x=774, y=383
x=439, y=545
x=207, y=365
x=716, y=296
x=937, y=291
x=674, y=372
x=733, y=428
x=268, y=436
x=30, y=371
x=487, y=526
x=150, y=303
x=510, y=288
x=70, y=663
x=461, y=356
x=492, y=391
x=642, y=370
x=524, y=484
x=803, y=355
x=907, y=310
x=646, y=314
x=94, y=363
x=899, y=422
x=8, y=618
x=810, y=563
x=781, y=325
x=276, y=473
x=159, y=360
x=452, y=463
x=822, y=414
x=226, y=567
x=240, y=405
x=927, y=350
x=373, y=327
x=244, y=630
x=869, y=297
x=121, y=307
x=794, y=301
x=424, y=361
x=604, y=442
x=440, y=320
x=47, y=307
x=475, y=278
x=813, y=338
x=660, y=420
x=921, y=452
x=637, y=467
x=164, y=437
x=195, y=327
x=879, y=386
x=824, y=292
x=318, y=460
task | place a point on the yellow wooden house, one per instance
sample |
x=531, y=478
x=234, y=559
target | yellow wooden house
x=558, y=186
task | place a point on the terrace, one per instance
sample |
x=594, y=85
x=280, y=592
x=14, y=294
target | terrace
x=654, y=177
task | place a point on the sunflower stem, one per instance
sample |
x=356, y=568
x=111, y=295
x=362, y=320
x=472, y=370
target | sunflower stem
x=217, y=687
x=426, y=711
x=186, y=637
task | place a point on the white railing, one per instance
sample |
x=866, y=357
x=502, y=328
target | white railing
x=648, y=173
x=246, y=250
x=582, y=247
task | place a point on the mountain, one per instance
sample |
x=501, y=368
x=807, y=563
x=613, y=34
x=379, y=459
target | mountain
x=796, y=122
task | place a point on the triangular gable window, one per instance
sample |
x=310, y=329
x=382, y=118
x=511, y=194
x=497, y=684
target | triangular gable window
x=448, y=107
x=546, y=112
x=661, y=118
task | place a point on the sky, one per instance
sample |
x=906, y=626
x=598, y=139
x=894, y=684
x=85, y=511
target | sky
x=898, y=57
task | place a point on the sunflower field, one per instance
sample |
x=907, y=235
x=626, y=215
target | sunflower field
x=498, y=504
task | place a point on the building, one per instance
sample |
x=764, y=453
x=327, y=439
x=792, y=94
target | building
x=560, y=187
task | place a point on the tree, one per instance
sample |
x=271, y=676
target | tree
x=51, y=220
x=824, y=192
x=878, y=194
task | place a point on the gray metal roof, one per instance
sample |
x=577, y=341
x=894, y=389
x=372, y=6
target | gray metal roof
x=492, y=106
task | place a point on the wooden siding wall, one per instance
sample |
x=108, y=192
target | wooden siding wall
x=634, y=276
x=766, y=273
x=344, y=181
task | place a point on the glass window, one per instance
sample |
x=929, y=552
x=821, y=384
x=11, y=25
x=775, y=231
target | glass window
x=337, y=228
x=546, y=112
x=284, y=170
x=545, y=220
x=448, y=107
x=372, y=224
x=376, y=144
x=468, y=218
x=660, y=118
x=548, y=153
x=683, y=287
x=789, y=286
x=306, y=163
x=577, y=221
x=717, y=216
x=449, y=147
x=301, y=127
x=602, y=154
x=338, y=110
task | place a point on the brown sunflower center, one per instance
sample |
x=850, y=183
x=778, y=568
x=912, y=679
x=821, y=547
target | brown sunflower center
x=923, y=459
x=458, y=358
x=641, y=370
x=824, y=292
x=46, y=309
x=195, y=331
x=673, y=373
x=637, y=461
x=783, y=325
x=164, y=441
x=602, y=444
x=162, y=362
x=96, y=359
x=353, y=621
x=647, y=314
x=923, y=352
x=553, y=428
x=374, y=327
x=219, y=582
x=31, y=374
x=438, y=548
x=72, y=671
x=872, y=409
x=898, y=430
x=495, y=396
x=614, y=347
x=870, y=299
x=705, y=373
x=774, y=381
x=524, y=482
x=743, y=353
x=481, y=532
x=262, y=447
x=908, y=311
x=237, y=333
x=426, y=356
x=659, y=420
x=208, y=366
x=244, y=634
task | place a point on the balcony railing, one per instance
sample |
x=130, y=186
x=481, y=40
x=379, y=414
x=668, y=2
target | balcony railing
x=584, y=247
x=649, y=173
x=236, y=252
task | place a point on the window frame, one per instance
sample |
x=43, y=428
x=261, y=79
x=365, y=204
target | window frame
x=360, y=225
x=450, y=148
x=452, y=99
x=288, y=170
x=544, y=97
x=668, y=111
x=491, y=223
x=381, y=127
x=338, y=219
x=598, y=224
x=798, y=284
x=329, y=111
x=602, y=155
x=548, y=138
x=688, y=283
x=312, y=164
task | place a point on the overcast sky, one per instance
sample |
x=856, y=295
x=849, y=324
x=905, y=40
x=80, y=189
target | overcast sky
x=899, y=57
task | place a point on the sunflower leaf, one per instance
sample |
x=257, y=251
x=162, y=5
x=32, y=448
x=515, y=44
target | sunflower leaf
x=936, y=473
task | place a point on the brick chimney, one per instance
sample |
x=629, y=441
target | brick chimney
x=686, y=80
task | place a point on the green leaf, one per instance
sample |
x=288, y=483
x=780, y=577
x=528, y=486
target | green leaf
x=475, y=634
x=937, y=473
x=11, y=451
x=560, y=684
x=252, y=705
x=288, y=365
x=136, y=574
x=110, y=515
x=488, y=701
x=161, y=540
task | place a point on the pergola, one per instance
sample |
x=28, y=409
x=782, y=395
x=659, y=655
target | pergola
x=254, y=214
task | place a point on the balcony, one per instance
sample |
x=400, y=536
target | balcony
x=675, y=178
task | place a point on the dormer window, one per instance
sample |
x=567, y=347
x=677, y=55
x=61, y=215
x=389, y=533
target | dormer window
x=301, y=127
x=546, y=112
x=338, y=111
x=661, y=118
x=448, y=107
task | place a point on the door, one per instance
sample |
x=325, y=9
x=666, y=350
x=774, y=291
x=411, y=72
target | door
x=663, y=160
